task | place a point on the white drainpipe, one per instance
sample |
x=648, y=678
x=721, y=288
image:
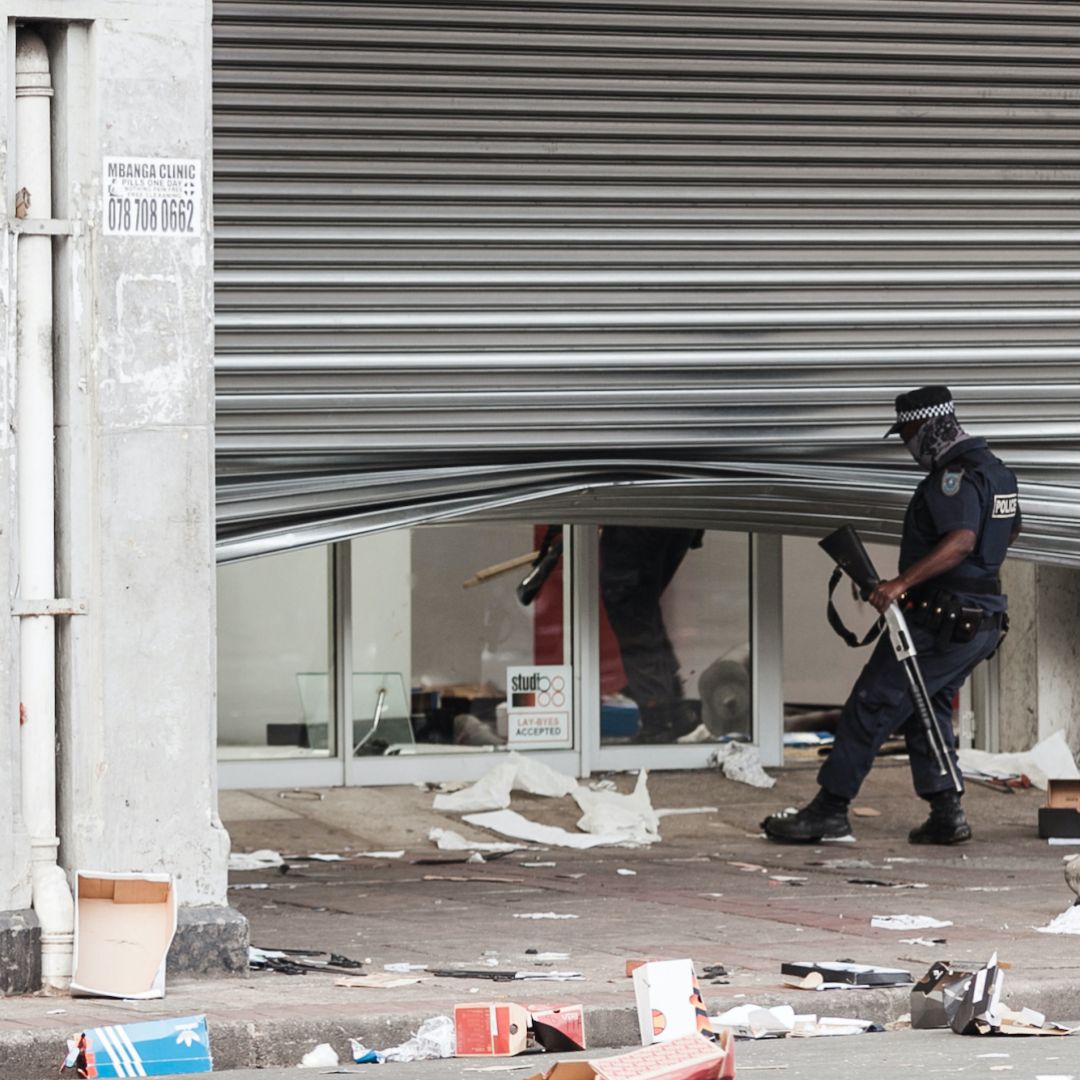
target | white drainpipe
x=34, y=478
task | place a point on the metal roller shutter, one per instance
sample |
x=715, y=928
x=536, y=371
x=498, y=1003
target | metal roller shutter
x=646, y=260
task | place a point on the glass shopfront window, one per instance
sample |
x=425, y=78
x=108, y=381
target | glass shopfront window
x=674, y=635
x=274, y=634
x=439, y=627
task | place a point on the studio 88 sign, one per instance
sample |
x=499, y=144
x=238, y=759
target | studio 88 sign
x=152, y=196
x=538, y=707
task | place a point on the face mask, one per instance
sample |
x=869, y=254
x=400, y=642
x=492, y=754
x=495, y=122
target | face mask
x=914, y=445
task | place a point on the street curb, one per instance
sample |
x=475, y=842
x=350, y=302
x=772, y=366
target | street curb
x=262, y=1043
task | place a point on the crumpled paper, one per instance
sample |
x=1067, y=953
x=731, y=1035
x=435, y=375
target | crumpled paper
x=741, y=762
x=435, y=1038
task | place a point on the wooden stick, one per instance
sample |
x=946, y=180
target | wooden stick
x=499, y=568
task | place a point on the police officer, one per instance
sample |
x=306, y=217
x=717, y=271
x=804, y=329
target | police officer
x=957, y=530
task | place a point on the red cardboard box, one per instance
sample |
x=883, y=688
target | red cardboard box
x=558, y=1028
x=691, y=1057
x=497, y=1029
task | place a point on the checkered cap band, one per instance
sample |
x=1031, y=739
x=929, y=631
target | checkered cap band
x=925, y=413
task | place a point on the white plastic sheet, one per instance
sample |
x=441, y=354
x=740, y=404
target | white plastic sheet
x=1050, y=759
x=511, y=823
x=492, y=791
x=448, y=840
x=629, y=817
x=263, y=859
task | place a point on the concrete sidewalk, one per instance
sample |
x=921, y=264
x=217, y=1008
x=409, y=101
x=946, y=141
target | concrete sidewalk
x=712, y=890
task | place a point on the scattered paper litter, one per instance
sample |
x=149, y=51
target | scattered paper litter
x=1068, y=922
x=629, y=817
x=1049, y=758
x=263, y=859
x=1062, y=841
x=318, y=856
x=378, y=980
x=516, y=773
x=539, y=958
x=511, y=823
x=752, y=1021
x=496, y=1068
x=448, y=840
x=381, y=854
x=537, y=865
x=925, y=942
x=811, y=1026
x=542, y=915
x=907, y=922
x=323, y=1054
x=622, y=871
x=404, y=967
x=674, y=811
x=741, y=762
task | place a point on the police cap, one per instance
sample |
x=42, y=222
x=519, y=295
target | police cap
x=921, y=404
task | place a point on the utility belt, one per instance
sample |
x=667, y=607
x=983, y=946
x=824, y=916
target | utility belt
x=937, y=609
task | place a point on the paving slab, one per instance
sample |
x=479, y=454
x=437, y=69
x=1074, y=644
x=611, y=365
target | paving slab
x=713, y=890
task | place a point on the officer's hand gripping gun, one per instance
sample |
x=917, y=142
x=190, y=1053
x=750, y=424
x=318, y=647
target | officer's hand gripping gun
x=846, y=549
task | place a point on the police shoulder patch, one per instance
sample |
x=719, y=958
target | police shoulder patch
x=950, y=481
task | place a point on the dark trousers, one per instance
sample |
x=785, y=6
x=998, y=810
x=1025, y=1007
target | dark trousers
x=880, y=705
x=636, y=566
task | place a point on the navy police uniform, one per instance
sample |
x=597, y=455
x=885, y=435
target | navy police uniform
x=955, y=620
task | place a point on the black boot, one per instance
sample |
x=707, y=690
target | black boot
x=946, y=823
x=825, y=818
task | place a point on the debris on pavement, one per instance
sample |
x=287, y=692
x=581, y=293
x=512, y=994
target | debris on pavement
x=434, y=1039
x=511, y=823
x=690, y=1057
x=1049, y=758
x=969, y=1002
x=750, y=1021
x=1068, y=922
x=879, y=884
x=492, y=791
x=299, y=961
x=543, y=915
x=448, y=840
x=668, y=1000
x=631, y=817
x=149, y=1048
x=363, y=1055
x=926, y=942
x=378, y=980
x=741, y=762
x=323, y=1054
x=908, y=922
x=263, y=859
x=846, y=973
x=865, y=811
x=810, y=1026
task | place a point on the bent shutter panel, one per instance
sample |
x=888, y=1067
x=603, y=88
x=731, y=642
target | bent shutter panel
x=585, y=261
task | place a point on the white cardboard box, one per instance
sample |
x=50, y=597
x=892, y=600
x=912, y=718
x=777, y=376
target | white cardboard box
x=124, y=925
x=669, y=1002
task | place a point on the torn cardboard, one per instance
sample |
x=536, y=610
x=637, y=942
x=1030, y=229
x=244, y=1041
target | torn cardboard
x=124, y=925
x=691, y=1057
x=503, y=1029
x=669, y=1001
x=935, y=997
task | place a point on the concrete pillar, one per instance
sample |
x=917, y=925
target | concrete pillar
x=134, y=435
x=1039, y=664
